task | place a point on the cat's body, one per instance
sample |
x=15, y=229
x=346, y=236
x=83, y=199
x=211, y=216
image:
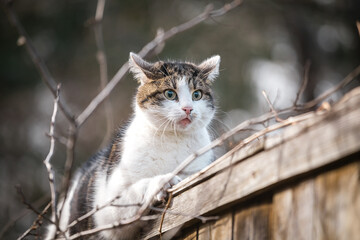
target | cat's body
x=173, y=108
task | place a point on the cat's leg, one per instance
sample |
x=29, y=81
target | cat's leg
x=126, y=201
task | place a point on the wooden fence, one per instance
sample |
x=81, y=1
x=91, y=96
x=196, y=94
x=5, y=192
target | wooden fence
x=301, y=184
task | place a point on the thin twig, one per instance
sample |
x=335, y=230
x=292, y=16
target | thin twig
x=36, y=223
x=69, y=163
x=102, y=60
x=35, y=57
x=271, y=107
x=163, y=214
x=304, y=82
x=60, y=139
x=28, y=205
x=337, y=87
x=14, y=218
x=49, y=156
x=90, y=213
x=148, y=48
x=201, y=218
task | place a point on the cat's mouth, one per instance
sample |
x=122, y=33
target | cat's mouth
x=184, y=122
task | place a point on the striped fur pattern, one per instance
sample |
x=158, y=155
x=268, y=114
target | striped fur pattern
x=173, y=107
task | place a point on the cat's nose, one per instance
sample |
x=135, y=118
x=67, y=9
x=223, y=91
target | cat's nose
x=187, y=110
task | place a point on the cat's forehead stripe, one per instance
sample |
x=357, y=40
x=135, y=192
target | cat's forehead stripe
x=172, y=76
x=180, y=69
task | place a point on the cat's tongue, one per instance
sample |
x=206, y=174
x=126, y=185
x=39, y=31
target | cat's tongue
x=185, y=122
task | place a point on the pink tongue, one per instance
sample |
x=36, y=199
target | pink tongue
x=185, y=122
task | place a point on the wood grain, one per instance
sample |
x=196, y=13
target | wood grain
x=253, y=223
x=326, y=207
x=220, y=229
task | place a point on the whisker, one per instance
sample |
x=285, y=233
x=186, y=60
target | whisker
x=174, y=123
x=162, y=135
x=158, y=128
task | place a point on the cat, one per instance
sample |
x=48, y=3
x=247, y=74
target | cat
x=173, y=107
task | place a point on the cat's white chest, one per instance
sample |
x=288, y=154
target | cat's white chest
x=148, y=153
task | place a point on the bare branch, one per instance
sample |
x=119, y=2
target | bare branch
x=163, y=213
x=14, y=218
x=148, y=48
x=28, y=205
x=109, y=226
x=35, y=57
x=304, y=82
x=59, y=139
x=49, y=156
x=36, y=223
x=100, y=10
x=69, y=163
x=90, y=213
x=201, y=218
x=271, y=106
x=101, y=228
x=329, y=92
x=101, y=58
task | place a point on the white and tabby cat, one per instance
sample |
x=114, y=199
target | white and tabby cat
x=173, y=107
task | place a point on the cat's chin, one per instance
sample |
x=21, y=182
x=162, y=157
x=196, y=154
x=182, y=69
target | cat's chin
x=184, y=122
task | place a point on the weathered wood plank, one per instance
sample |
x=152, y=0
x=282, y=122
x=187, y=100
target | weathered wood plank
x=253, y=223
x=220, y=229
x=337, y=204
x=228, y=159
x=327, y=207
x=293, y=212
x=334, y=136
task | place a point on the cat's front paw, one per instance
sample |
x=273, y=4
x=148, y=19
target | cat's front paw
x=163, y=194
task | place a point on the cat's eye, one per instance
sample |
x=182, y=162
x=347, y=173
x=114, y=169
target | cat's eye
x=197, y=95
x=170, y=94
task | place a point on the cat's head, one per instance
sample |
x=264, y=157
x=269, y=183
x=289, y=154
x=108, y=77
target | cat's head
x=175, y=96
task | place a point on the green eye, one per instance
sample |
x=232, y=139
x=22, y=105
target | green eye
x=197, y=95
x=170, y=94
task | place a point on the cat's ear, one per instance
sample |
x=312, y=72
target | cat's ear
x=209, y=68
x=141, y=69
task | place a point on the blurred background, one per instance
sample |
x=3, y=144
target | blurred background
x=263, y=45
